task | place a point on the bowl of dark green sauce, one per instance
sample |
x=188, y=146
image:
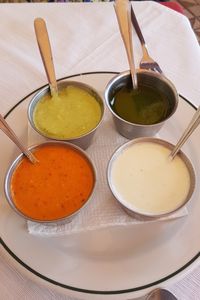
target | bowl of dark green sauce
x=142, y=111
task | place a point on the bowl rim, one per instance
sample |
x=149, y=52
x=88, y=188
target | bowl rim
x=45, y=90
x=137, y=212
x=139, y=71
x=12, y=167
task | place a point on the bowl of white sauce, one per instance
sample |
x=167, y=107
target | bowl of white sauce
x=146, y=181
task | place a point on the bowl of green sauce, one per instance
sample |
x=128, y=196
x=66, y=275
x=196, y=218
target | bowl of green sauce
x=143, y=111
x=73, y=115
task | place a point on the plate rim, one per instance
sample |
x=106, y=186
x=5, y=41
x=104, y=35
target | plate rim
x=81, y=290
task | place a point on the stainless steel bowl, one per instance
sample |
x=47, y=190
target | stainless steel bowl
x=148, y=78
x=136, y=213
x=82, y=141
x=16, y=162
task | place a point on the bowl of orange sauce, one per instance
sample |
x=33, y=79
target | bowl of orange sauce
x=56, y=188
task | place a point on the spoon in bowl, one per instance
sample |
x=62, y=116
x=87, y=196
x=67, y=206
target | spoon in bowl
x=46, y=54
x=186, y=134
x=123, y=12
x=10, y=133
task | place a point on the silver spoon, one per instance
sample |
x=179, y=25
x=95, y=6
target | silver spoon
x=160, y=294
x=186, y=134
x=46, y=54
x=123, y=12
x=10, y=133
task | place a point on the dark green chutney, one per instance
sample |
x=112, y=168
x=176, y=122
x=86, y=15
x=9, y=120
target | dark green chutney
x=145, y=105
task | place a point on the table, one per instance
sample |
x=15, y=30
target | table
x=85, y=38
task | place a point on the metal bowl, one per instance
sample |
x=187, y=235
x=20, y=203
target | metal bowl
x=14, y=165
x=134, y=211
x=82, y=141
x=148, y=78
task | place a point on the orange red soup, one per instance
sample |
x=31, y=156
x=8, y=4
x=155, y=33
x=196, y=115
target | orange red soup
x=55, y=187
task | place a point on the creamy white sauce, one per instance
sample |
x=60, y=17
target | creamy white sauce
x=143, y=177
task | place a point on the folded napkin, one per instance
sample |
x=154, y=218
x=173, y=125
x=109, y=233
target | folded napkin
x=103, y=210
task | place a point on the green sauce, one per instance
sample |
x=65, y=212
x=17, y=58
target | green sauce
x=142, y=106
x=74, y=112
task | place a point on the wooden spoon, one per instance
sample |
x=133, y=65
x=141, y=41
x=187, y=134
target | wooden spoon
x=123, y=12
x=10, y=133
x=46, y=54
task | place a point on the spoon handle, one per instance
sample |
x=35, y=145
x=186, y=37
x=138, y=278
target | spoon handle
x=123, y=12
x=161, y=294
x=10, y=133
x=45, y=52
x=189, y=130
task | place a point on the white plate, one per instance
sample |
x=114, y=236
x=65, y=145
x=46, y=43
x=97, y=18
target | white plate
x=114, y=263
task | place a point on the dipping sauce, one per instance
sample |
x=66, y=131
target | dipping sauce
x=145, y=105
x=144, y=178
x=73, y=113
x=55, y=187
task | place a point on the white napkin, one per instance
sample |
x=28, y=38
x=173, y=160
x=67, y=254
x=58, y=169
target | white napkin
x=103, y=210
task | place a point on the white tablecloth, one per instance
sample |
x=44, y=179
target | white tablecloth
x=85, y=38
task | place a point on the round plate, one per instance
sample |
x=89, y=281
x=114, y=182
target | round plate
x=120, y=262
